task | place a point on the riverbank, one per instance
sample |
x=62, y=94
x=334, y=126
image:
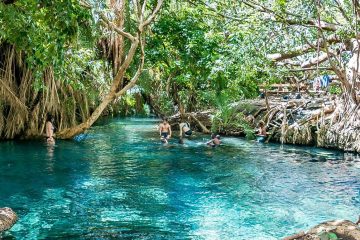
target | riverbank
x=323, y=121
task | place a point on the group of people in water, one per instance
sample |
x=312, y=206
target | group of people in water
x=164, y=131
x=185, y=132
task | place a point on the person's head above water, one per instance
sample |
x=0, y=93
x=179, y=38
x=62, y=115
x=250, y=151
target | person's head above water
x=261, y=123
x=218, y=136
x=165, y=120
x=213, y=135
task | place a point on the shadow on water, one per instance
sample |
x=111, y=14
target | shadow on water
x=121, y=182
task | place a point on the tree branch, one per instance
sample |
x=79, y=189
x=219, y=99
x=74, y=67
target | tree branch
x=319, y=59
x=302, y=22
x=137, y=74
x=112, y=26
x=152, y=15
x=297, y=51
x=310, y=69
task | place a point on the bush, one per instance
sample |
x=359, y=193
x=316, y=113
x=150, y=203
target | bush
x=228, y=118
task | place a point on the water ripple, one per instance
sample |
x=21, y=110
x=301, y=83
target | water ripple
x=121, y=182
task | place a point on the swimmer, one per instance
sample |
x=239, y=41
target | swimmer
x=215, y=140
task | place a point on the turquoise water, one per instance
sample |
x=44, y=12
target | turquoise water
x=120, y=182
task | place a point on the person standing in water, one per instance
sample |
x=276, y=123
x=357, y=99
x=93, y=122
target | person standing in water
x=49, y=127
x=262, y=129
x=165, y=130
x=261, y=135
x=185, y=130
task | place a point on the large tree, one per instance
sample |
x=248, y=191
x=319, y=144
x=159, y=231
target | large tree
x=39, y=45
x=304, y=40
x=137, y=42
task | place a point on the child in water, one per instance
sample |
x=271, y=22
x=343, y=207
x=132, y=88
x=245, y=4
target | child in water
x=215, y=140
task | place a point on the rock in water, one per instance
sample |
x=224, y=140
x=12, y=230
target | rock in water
x=331, y=230
x=7, y=218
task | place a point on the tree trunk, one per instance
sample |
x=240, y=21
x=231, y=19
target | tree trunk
x=117, y=90
x=202, y=126
x=71, y=132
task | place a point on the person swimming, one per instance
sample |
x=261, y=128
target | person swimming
x=215, y=140
x=165, y=131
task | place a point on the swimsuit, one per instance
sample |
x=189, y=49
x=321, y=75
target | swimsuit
x=164, y=134
x=188, y=132
x=261, y=138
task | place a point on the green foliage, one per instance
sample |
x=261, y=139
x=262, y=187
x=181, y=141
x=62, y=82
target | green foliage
x=203, y=55
x=335, y=89
x=201, y=58
x=44, y=30
x=229, y=119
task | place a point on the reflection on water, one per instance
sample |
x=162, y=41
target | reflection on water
x=50, y=157
x=121, y=182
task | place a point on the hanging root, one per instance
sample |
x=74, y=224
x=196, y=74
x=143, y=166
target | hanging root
x=335, y=126
x=23, y=108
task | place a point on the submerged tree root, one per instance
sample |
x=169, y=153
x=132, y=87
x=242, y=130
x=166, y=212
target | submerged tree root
x=321, y=122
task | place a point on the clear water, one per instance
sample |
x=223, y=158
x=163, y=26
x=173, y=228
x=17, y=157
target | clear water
x=120, y=182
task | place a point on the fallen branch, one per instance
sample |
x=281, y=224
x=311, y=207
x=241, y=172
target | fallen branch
x=259, y=111
x=271, y=134
x=203, y=128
